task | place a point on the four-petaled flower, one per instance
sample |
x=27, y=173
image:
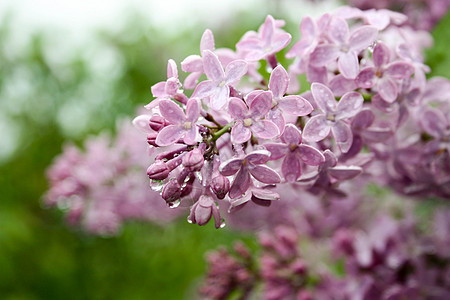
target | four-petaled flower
x=166, y=89
x=332, y=117
x=217, y=88
x=182, y=125
x=295, y=153
x=345, y=48
x=249, y=120
x=250, y=164
x=384, y=74
x=268, y=41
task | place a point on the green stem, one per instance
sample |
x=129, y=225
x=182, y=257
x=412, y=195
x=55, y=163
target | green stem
x=221, y=132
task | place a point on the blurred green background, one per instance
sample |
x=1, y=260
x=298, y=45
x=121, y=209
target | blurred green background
x=47, y=97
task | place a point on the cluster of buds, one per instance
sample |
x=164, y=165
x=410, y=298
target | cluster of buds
x=244, y=131
x=102, y=186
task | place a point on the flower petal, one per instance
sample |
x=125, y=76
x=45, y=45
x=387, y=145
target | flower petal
x=349, y=105
x=366, y=78
x=237, y=109
x=212, y=66
x=279, y=82
x=265, y=129
x=344, y=172
x=264, y=174
x=295, y=105
x=172, y=70
x=381, y=55
x=235, y=70
x=342, y=135
x=291, y=135
x=400, y=70
x=338, y=30
x=192, y=110
x=291, y=167
x=387, y=90
x=204, y=89
x=323, y=97
x=348, y=65
x=258, y=157
x=316, y=129
x=231, y=166
x=192, y=136
x=363, y=119
x=171, y=112
x=219, y=99
x=240, y=184
x=323, y=54
x=240, y=134
x=277, y=151
x=310, y=155
x=207, y=41
x=192, y=63
x=261, y=105
x=362, y=37
x=169, y=135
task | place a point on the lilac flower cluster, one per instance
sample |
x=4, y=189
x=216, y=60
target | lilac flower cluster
x=244, y=131
x=380, y=256
x=103, y=186
x=422, y=14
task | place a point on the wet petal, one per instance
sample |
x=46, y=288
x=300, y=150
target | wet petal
x=349, y=105
x=344, y=172
x=341, y=85
x=204, y=89
x=310, y=155
x=231, y=166
x=363, y=119
x=192, y=63
x=295, y=105
x=338, y=30
x=240, y=184
x=366, y=78
x=171, y=112
x=387, y=90
x=291, y=135
x=191, y=80
x=158, y=89
x=264, y=174
x=277, y=151
x=192, y=110
x=219, y=99
x=192, y=136
x=323, y=97
x=349, y=65
x=381, y=55
x=169, y=135
x=261, y=105
x=212, y=66
x=291, y=167
x=316, y=129
x=265, y=129
x=400, y=70
x=342, y=135
x=258, y=157
x=237, y=109
x=279, y=82
x=172, y=70
x=235, y=70
x=323, y=54
x=240, y=134
x=362, y=37
x=207, y=41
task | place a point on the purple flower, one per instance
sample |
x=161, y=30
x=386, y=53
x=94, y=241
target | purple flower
x=250, y=120
x=262, y=196
x=203, y=210
x=295, y=153
x=384, y=74
x=345, y=47
x=166, y=89
x=332, y=117
x=292, y=105
x=267, y=42
x=182, y=125
x=217, y=88
x=250, y=164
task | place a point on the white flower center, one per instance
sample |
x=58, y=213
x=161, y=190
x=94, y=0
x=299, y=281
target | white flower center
x=222, y=83
x=248, y=122
x=187, y=125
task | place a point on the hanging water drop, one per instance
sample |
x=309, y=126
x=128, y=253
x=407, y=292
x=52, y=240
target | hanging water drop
x=174, y=204
x=156, y=185
x=222, y=223
x=189, y=220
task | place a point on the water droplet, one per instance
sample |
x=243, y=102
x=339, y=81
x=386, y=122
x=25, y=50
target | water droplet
x=156, y=185
x=174, y=204
x=222, y=223
x=199, y=175
x=189, y=220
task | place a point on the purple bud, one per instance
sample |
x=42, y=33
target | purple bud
x=171, y=153
x=157, y=122
x=158, y=170
x=193, y=161
x=171, y=191
x=220, y=185
x=151, y=139
x=203, y=210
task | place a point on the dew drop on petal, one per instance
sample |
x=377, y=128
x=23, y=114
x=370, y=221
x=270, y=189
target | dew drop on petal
x=156, y=185
x=189, y=220
x=222, y=223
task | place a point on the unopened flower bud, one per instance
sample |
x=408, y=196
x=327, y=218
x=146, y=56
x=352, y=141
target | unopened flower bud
x=193, y=160
x=157, y=122
x=171, y=191
x=151, y=139
x=202, y=211
x=220, y=185
x=158, y=170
